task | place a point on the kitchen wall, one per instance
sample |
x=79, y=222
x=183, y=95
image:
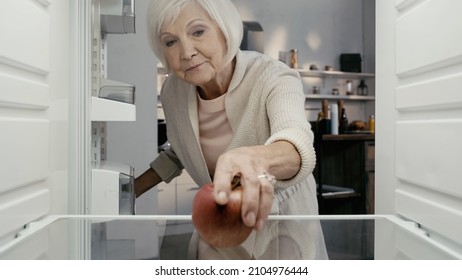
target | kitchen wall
x=321, y=30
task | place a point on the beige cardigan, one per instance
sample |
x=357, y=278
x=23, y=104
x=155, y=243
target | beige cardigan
x=265, y=103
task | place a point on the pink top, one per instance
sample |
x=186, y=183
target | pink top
x=215, y=132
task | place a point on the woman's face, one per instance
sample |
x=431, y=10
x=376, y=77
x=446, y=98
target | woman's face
x=194, y=46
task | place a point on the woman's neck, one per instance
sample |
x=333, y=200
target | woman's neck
x=219, y=85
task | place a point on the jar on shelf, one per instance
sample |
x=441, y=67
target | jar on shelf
x=315, y=90
x=294, y=58
x=349, y=87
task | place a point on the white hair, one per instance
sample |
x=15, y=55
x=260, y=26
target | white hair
x=223, y=12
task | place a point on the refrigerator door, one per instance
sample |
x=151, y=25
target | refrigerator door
x=419, y=122
x=34, y=110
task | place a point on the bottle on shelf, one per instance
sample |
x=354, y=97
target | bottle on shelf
x=322, y=125
x=324, y=122
x=372, y=124
x=334, y=119
x=343, y=124
x=320, y=117
x=362, y=88
x=319, y=121
x=340, y=105
x=325, y=108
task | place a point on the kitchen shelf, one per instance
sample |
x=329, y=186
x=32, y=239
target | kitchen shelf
x=334, y=74
x=350, y=136
x=340, y=97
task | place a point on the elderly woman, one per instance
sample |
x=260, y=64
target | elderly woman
x=233, y=113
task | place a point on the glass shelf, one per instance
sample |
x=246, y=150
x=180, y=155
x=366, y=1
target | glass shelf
x=167, y=237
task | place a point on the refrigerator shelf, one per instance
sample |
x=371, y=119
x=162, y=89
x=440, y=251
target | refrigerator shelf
x=92, y=237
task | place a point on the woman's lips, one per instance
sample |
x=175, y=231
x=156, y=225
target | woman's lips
x=192, y=68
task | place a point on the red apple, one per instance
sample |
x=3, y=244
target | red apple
x=221, y=226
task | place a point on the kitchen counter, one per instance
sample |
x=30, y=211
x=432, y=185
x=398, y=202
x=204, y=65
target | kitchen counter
x=352, y=136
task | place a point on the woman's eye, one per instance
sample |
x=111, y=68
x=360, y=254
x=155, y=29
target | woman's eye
x=169, y=43
x=199, y=33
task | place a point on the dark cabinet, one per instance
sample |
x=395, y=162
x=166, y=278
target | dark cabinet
x=345, y=173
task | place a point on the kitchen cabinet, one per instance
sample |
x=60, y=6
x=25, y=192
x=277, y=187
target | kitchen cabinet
x=166, y=198
x=345, y=173
x=175, y=198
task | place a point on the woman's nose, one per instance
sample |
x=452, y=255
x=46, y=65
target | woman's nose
x=188, y=50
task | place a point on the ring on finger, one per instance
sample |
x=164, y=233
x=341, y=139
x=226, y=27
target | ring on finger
x=267, y=176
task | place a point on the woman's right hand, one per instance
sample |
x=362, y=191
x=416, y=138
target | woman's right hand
x=257, y=198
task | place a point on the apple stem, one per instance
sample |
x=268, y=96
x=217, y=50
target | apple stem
x=235, y=182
